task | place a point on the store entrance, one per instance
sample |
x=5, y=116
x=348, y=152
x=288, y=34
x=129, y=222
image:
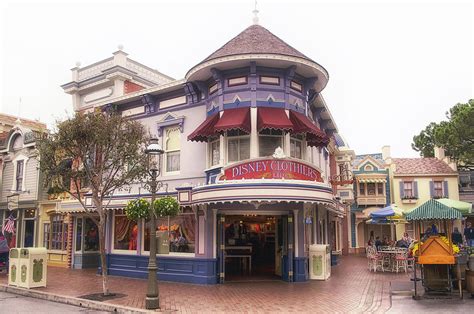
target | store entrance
x=252, y=250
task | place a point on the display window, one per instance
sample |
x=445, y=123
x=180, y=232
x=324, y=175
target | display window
x=125, y=233
x=180, y=231
x=269, y=140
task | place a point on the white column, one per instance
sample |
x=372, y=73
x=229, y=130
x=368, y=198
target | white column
x=214, y=238
x=222, y=150
x=295, y=224
x=254, y=133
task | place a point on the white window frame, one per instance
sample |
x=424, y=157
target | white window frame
x=227, y=147
x=210, y=164
x=15, y=161
x=165, y=154
x=302, y=142
x=147, y=253
x=281, y=137
x=118, y=251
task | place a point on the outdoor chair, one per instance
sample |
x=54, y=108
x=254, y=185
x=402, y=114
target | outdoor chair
x=401, y=261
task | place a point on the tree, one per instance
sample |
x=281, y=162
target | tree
x=94, y=155
x=424, y=142
x=456, y=135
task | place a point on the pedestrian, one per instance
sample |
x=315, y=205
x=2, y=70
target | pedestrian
x=456, y=236
x=469, y=234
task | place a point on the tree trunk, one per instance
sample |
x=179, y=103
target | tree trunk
x=103, y=261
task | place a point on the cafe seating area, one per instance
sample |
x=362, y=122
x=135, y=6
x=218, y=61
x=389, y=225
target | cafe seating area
x=389, y=259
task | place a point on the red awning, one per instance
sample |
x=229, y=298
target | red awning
x=301, y=124
x=273, y=118
x=234, y=119
x=205, y=130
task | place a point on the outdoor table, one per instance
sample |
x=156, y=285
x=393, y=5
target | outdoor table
x=391, y=253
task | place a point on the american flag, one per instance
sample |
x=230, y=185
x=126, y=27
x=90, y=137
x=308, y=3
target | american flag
x=9, y=225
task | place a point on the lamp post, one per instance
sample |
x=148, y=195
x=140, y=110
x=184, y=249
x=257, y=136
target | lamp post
x=153, y=152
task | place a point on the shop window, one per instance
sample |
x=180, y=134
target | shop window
x=46, y=231
x=268, y=141
x=79, y=234
x=238, y=146
x=172, y=149
x=361, y=188
x=438, y=189
x=180, y=230
x=296, y=147
x=19, y=175
x=214, y=152
x=9, y=227
x=380, y=188
x=91, y=236
x=125, y=232
x=57, y=233
x=408, y=189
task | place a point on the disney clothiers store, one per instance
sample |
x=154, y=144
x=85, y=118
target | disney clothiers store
x=249, y=152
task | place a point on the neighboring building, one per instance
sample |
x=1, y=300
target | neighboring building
x=21, y=190
x=249, y=152
x=416, y=180
x=372, y=191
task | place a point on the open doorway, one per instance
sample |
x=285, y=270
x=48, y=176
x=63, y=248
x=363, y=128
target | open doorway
x=252, y=248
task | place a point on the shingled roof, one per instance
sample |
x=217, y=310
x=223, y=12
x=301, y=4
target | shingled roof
x=7, y=119
x=255, y=39
x=421, y=166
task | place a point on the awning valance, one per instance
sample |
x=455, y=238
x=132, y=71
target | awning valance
x=273, y=118
x=234, y=119
x=433, y=209
x=205, y=130
x=302, y=125
x=371, y=180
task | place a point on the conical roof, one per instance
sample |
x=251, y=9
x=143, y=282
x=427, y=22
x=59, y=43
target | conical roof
x=255, y=39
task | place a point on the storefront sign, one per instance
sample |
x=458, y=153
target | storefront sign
x=12, y=202
x=272, y=169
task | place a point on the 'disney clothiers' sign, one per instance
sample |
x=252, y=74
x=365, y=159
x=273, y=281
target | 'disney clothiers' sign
x=271, y=169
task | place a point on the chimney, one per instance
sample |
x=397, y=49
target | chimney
x=439, y=153
x=386, y=152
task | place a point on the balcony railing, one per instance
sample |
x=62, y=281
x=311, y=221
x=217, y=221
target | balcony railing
x=371, y=200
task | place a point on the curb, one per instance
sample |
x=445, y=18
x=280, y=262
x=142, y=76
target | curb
x=93, y=305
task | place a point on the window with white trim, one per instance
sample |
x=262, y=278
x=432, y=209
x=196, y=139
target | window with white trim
x=408, y=189
x=20, y=164
x=296, y=146
x=268, y=141
x=172, y=148
x=438, y=189
x=238, y=146
x=214, y=152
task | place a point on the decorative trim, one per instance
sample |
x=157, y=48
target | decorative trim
x=269, y=80
x=170, y=119
x=236, y=81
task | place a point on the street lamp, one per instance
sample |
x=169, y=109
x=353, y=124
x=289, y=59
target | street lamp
x=153, y=152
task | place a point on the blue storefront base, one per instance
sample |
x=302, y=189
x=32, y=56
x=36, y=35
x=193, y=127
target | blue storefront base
x=300, y=269
x=170, y=268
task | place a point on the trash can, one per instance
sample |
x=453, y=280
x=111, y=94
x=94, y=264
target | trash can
x=319, y=262
x=14, y=261
x=33, y=268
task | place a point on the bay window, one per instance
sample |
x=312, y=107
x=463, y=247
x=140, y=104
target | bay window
x=380, y=188
x=370, y=188
x=296, y=146
x=268, y=141
x=214, y=152
x=238, y=146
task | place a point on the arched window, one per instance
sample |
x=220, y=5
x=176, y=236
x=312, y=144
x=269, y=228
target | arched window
x=17, y=142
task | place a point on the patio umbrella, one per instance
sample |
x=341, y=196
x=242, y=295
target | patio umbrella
x=464, y=207
x=390, y=212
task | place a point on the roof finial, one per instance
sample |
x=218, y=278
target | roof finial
x=255, y=13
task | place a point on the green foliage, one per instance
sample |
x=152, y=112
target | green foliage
x=137, y=209
x=424, y=142
x=456, y=135
x=166, y=206
x=93, y=152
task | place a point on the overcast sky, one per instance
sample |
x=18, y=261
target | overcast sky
x=394, y=66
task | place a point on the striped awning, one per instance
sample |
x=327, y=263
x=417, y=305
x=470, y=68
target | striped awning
x=371, y=180
x=433, y=209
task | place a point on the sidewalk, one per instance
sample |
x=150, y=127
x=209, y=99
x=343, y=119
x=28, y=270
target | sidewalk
x=351, y=288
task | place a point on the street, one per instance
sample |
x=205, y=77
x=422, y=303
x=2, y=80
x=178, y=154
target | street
x=12, y=303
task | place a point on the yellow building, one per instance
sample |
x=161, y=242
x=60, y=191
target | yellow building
x=417, y=180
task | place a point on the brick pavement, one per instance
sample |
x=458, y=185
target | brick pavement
x=351, y=288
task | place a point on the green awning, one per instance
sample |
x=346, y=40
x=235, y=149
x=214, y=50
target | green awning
x=433, y=209
x=464, y=207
